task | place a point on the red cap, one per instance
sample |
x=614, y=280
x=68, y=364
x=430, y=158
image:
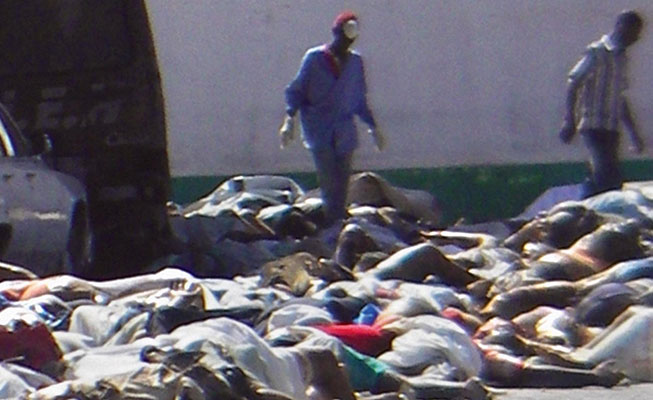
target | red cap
x=343, y=17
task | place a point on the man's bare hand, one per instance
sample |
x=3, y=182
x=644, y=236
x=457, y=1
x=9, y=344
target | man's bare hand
x=567, y=131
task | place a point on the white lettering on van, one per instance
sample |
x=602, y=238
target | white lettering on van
x=49, y=115
x=51, y=111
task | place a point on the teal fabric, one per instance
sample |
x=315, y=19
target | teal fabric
x=364, y=371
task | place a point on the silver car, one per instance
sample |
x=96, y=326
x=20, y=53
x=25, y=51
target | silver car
x=44, y=224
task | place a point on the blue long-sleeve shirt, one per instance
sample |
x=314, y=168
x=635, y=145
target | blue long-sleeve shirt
x=328, y=98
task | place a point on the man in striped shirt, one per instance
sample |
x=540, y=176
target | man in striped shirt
x=596, y=103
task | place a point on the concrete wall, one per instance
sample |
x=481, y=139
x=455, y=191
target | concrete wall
x=453, y=82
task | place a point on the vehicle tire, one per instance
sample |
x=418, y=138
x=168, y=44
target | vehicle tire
x=5, y=237
x=80, y=247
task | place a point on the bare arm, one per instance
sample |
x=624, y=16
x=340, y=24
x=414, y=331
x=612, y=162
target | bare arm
x=572, y=95
x=568, y=129
x=576, y=77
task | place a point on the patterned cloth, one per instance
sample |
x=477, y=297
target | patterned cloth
x=602, y=76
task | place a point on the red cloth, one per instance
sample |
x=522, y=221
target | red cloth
x=343, y=17
x=31, y=346
x=332, y=62
x=366, y=339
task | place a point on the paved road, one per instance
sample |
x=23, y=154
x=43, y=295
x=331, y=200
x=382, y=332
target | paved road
x=633, y=392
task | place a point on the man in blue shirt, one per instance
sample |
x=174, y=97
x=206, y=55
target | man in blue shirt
x=329, y=90
x=597, y=103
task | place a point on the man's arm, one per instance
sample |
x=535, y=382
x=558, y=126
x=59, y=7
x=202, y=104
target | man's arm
x=295, y=96
x=629, y=123
x=365, y=113
x=296, y=90
x=363, y=109
x=576, y=77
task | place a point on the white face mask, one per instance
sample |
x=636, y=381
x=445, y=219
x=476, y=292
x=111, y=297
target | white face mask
x=350, y=29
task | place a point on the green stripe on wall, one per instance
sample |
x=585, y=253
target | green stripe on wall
x=475, y=193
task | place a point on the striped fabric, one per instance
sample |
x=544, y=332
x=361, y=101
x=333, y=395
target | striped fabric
x=601, y=75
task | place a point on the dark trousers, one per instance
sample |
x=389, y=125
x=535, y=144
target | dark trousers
x=333, y=172
x=604, y=169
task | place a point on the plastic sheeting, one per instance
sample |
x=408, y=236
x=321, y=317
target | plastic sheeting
x=448, y=311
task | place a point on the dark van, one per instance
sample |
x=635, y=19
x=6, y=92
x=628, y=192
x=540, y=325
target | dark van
x=84, y=73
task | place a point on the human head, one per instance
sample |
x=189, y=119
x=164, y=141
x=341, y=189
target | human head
x=628, y=27
x=345, y=27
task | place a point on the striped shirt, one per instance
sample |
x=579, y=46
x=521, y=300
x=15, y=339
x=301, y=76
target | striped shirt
x=601, y=79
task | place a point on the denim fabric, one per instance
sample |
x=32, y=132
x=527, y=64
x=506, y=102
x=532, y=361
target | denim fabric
x=333, y=171
x=605, y=172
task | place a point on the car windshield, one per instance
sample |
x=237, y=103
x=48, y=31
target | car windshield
x=12, y=141
x=7, y=147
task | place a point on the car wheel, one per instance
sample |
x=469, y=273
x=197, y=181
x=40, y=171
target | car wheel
x=80, y=248
x=5, y=237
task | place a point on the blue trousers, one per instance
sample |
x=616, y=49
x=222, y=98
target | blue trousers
x=333, y=172
x=604, y=169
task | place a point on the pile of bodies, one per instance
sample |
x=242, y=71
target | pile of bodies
x=259, y=300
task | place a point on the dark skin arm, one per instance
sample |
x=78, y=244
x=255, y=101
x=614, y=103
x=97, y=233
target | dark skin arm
x=568, y=129
x=577, y=76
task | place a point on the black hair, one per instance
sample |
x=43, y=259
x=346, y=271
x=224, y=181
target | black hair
x=630, y=18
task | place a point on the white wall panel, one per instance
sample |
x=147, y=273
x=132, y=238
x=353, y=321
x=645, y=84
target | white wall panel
x=452, y=82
